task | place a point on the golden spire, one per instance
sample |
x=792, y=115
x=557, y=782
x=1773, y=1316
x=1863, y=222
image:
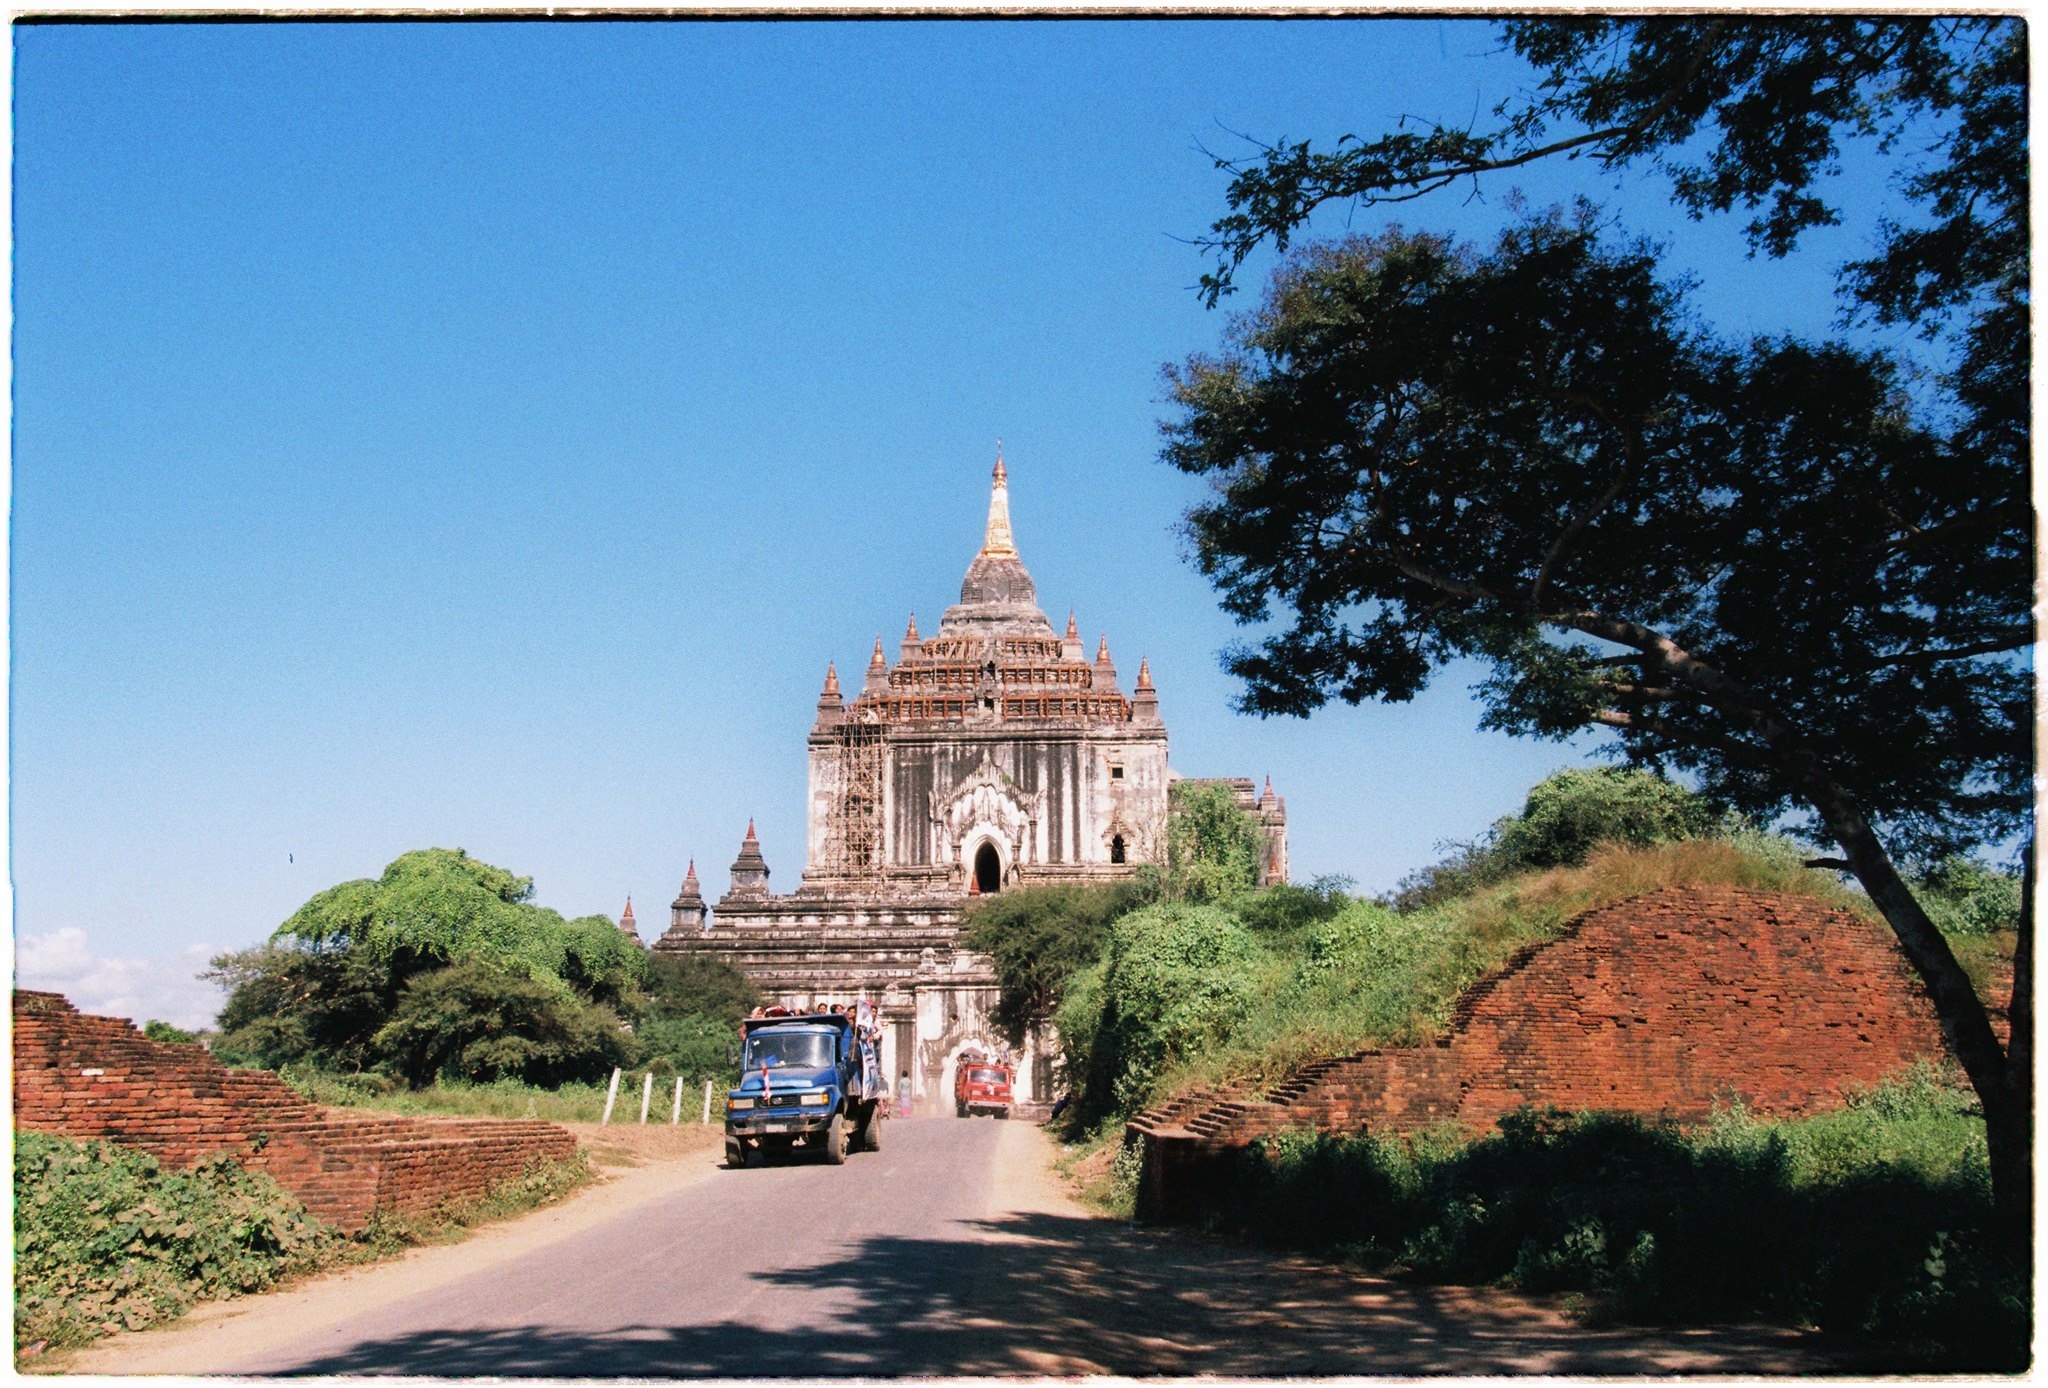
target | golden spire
x=999, y=542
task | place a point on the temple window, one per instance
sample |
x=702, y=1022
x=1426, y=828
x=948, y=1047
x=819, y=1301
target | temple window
x=1116, y=849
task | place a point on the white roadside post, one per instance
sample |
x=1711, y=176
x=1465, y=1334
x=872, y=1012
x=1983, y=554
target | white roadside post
x=646, y=1096
x=675, y=1112
x=707, y=1099
x=611, y=1096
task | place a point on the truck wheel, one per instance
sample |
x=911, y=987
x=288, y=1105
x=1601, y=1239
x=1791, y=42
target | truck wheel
x=959, y=1110
x=874, y=1130
x=835, y=1141
x=735, y=1156
x=1001, y=1113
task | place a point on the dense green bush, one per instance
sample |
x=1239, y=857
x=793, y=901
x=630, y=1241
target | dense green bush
x=1176, y=978
x=1563, y=818
x=1213, y=848
x=164, y=1031
x=106, y=1238
x=1964, y=897
x=481, y=1020
x=687, y=1023
x=1872, y=1219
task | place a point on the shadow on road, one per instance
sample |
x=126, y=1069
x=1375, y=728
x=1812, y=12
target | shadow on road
x=1059, y=1295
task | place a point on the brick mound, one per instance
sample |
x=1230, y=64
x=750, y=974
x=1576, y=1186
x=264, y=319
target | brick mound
x=86, y=1077
x=1665, y=1004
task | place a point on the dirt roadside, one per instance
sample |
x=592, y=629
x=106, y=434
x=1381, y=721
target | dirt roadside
x=634, y=1163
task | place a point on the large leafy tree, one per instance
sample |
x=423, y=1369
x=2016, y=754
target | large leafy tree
x=397, y=973
x=1760, y=562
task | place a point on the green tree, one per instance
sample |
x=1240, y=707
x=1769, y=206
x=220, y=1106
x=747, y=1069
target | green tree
x=1750, y=112
x=1037, y=939
x=164, y=1031
x=484, y=1019
x=1755, y=561
x=340, y=972
x=289, y=1005
x=688, y=1020
x=441, y=905
x=1816, y=590
x=1213, y=848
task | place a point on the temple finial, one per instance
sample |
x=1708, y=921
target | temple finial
x=877, y=660
x=999, y=541
x=911, y=634
x=1145, y=680
x=1073, y=628
x=831, y=680
x=1102, y=650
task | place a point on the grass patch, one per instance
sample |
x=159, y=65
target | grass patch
x=107, y=1238
x=569, y=1103
x=1103, y=1171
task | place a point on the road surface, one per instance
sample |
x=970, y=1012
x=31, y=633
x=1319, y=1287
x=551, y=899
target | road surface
x=950, y=1252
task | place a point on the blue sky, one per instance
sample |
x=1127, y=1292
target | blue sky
x=483, y=435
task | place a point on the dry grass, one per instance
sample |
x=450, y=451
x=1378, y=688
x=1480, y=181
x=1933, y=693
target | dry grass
x=635, y=1144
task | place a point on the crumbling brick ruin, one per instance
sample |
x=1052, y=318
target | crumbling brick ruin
x=1663, y=1005
x=86, y=1077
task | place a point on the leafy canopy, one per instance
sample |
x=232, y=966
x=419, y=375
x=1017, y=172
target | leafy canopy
x=1425, y=451
x=441, y=904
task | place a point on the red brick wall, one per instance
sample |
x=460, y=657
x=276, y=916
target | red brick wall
x=98, y=1077
x=1675, y=1000
x=1665, y=1004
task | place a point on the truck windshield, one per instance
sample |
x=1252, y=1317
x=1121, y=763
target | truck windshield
x=808, y=1050
x=987, y=1076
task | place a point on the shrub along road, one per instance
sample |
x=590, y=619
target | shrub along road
x=953, y=1251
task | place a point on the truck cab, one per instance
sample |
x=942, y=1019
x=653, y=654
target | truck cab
x=981, y=1084
x=802, y=1086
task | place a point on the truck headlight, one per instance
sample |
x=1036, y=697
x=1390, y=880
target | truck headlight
x=815, y=1096
x=739, y=1103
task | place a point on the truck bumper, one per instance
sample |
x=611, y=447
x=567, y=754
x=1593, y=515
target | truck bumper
x=773, y=1124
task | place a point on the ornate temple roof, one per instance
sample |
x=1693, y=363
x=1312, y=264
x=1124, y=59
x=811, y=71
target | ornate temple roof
x=997, y=598
x=994, y=657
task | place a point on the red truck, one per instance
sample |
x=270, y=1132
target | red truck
x=981, y=1085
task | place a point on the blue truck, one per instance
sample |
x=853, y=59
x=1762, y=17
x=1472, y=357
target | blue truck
x=802, y=1086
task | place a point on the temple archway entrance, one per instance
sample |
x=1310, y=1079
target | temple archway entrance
x=988, y=869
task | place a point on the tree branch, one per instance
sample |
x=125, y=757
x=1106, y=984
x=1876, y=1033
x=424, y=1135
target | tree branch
x=2014, y=639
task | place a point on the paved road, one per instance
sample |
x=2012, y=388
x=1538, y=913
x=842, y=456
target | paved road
x=948, y=1253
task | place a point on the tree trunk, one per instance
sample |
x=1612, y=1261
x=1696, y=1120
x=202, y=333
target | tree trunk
x=2004, y=1085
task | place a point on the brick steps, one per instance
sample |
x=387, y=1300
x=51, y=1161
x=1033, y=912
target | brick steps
x=98, y=1077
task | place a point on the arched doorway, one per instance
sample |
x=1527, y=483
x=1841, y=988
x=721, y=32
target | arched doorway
x=988, y=869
